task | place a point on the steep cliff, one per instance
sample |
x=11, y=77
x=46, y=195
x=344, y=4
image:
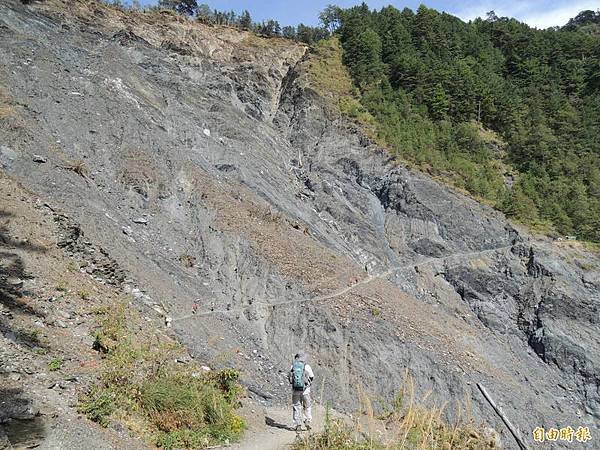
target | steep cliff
x=209, y=171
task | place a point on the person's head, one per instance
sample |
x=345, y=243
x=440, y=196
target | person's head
x=300, y=356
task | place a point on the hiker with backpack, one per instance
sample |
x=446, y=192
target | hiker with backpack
x=301, y=377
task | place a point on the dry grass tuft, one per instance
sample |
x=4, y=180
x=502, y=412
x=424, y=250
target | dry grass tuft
x=6, y=111
x=404, y=425
x=187, y=260
x=79, y=167
x=6, y=108
x=140, y=174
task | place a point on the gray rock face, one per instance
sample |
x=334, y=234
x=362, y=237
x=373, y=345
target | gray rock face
x=301, y=232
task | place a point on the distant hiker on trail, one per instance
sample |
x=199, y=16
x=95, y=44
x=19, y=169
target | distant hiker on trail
x=301, y=377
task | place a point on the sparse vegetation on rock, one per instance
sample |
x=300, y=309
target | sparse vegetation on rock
x=404, y=424
x=142, y=385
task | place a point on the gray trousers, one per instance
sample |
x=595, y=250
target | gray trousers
x=301, y=401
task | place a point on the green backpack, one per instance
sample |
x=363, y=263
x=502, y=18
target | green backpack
x=298, y=376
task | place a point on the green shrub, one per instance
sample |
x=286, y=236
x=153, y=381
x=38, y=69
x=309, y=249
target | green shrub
x=182, y=439
x=32, y=336
x=175, y=403
x=55, y=364
x=140, y=382
x=98, y=405
x=227, y=379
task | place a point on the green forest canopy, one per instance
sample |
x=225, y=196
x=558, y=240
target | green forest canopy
x=437, y=86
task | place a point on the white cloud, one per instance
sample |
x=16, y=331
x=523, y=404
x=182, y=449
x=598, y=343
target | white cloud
x=538, y=14
x=557, y=16
x=479, y=9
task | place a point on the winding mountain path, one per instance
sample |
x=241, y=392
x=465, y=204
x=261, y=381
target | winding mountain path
x=349, y=288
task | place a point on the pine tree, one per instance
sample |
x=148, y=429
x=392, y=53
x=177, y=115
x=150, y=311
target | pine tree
x=245, y=20
x=364, y=58
x=204, y=13
x=288, y=32
x=330, y=17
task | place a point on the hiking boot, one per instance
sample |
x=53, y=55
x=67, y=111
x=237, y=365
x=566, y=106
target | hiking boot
x=298, y=428
x=307, y=425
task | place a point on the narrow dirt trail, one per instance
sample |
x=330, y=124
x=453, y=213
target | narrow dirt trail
x=345, y=290
x=270, y=428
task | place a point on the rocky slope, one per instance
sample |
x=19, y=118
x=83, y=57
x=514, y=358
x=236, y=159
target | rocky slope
x=208, y=171
x=47, y=312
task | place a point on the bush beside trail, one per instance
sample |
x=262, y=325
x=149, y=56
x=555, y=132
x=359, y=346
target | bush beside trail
x=142, y=385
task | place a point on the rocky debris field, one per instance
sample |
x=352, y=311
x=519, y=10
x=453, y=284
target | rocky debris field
x=195, y=169
x=48, y=305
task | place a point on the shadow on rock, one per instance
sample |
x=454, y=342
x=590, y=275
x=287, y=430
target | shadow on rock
x=20, y=424
x=273, y=423
x=12, y=268
x=7, y=241
x=12, y=276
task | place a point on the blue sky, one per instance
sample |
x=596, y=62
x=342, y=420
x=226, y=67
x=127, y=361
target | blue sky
x=537, y=13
